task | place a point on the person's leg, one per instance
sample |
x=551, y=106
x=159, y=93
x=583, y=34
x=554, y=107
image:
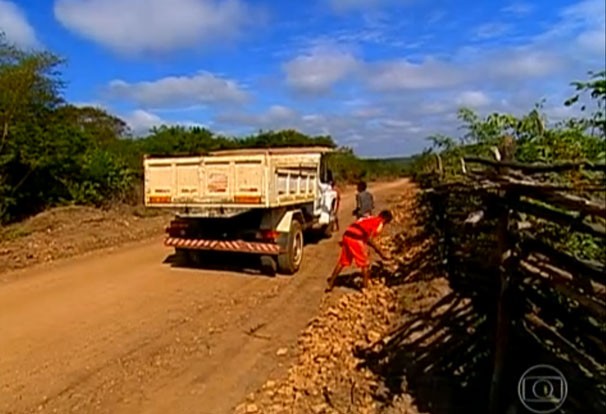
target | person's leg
x=333, y=277
x=345, y=259
x=362, y=261
x=366, y=276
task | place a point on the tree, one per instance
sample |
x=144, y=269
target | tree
x=103, y=127
x=596, y=87
x=29, y=86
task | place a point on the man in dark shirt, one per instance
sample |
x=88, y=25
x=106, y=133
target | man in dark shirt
x=365, y=202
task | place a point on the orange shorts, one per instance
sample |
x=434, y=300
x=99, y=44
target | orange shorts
x=353, y=251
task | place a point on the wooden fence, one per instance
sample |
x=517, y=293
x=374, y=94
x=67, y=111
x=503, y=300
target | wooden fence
x=541, y=228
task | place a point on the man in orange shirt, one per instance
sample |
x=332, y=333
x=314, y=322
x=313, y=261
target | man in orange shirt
x=354, y=246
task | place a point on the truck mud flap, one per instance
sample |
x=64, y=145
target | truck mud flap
x=223, y=245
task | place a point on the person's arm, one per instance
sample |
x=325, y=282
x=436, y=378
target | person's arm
x=376, y=248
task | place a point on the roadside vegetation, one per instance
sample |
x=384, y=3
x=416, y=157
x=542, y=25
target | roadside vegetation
x=534, y=139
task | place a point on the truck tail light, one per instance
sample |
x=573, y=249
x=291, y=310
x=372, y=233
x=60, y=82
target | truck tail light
x=247, y=199
x=176, y=228
x=159, y=199
x=269, y=235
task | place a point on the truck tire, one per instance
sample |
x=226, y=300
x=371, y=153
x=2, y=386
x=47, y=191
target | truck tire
x=269, y=267
x=188, y=257
x=290, y=261
x=182, y=257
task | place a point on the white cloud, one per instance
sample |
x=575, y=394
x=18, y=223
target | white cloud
x=276, y=117
x=518, y=9
x=348, y=5
x=318, y=71
x=389, y=106
x=584, y=23
x=402, y=74
x=133, y=26
x=14, y=24
x=473, y=99
x=141, y=122
x=593, y=41
x=525, y=62
x=346, y=128
x=179, y=91
x=492, y=30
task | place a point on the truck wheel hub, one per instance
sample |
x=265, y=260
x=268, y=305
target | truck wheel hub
x=298, y=248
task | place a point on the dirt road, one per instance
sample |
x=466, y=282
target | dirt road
x=123, y=332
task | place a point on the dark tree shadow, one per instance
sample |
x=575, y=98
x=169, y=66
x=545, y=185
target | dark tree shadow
x=350, y=280
x=218, y=261
x=441, y=354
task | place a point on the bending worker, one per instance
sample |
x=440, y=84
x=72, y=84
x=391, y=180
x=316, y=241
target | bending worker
x=354, y=246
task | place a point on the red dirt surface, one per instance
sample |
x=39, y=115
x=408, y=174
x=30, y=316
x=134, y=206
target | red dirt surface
x=121, y=331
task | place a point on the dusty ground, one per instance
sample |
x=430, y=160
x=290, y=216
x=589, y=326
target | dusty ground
x=70, y=231
x=329, y=375
x=121, y=332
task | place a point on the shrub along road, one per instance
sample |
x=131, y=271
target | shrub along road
x=122, y=332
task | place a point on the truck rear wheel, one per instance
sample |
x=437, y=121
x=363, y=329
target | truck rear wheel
x=269, y=266
x=290, y=261
x=188, y=257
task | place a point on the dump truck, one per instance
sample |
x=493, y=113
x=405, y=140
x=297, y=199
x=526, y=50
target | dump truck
x=261, y=202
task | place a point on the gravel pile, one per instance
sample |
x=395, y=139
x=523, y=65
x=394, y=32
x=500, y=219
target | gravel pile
x=326, y=376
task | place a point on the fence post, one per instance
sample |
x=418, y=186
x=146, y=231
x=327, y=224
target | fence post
x=503, y=326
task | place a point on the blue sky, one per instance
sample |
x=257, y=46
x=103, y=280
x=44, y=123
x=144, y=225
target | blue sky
x=378, y=75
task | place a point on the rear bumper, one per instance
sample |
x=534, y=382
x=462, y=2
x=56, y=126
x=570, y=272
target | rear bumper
x=221, y=245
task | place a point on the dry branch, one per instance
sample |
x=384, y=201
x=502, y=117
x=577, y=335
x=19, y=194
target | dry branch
x=520, y=182
x=561, y=284
x=565, y=219
x=571, y=202
x=576, y=355
x=537, y=168
x=585, y=268
x=475, y=217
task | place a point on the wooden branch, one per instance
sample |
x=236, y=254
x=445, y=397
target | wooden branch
x=504, y=309
x=588, y=286
x=496, y=153
x=474, y=218
x=575, y=322
x=577, y=355
x=463, y=168
x=537, y=168
x=523, y=183
x=571, y=202
x=564, y=219
x=560, y=284
x=439, y=164
x=585, y=268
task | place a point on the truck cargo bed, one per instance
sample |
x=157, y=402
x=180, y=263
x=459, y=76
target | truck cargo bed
x=258, y=178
